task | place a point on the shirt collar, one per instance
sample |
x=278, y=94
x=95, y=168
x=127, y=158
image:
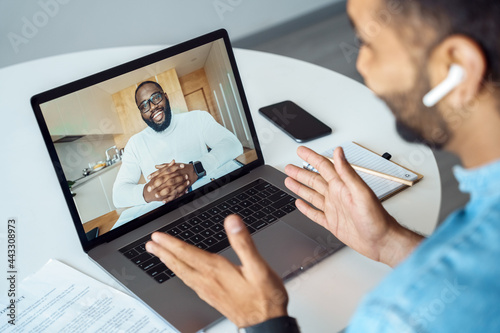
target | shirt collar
x=481, y=180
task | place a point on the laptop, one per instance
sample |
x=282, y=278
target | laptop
x=103, y=149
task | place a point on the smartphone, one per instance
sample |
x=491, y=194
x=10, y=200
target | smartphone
x=296, y=122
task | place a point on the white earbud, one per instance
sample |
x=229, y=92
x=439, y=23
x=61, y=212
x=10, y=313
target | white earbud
x=455, y=76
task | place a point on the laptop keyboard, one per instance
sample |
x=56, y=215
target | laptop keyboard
x=258, y=203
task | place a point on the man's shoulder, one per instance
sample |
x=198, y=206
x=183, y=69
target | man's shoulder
x=137, y=137
x=196, y=115
x=196, y=119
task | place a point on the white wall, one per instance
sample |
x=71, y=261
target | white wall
x=224, y=90
x=32, y=29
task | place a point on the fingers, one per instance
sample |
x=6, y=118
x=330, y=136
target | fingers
x=313, y=214
x=181, y=256
x=156, y=173
x=166, y=169
x=171, y=252
x=306, y=177
x=168, y=183
x=176, y=192
x=242, y=243
x=165, y=165
x=164, y=181
x=320, y=163
x=306, y=193
x=342, y=172
x=348, y=175
x=173, y=168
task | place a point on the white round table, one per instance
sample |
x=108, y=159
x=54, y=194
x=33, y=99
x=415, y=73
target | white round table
x=323, y=298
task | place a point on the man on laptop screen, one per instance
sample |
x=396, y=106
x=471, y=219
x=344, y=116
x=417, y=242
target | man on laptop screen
x=173, y=153
x=180, y=130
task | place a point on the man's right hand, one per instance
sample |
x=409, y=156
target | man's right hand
x=347, y=207
x=169, y=182
x=247, y=294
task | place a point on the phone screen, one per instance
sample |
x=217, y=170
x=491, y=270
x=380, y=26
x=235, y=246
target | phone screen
x=295, y=121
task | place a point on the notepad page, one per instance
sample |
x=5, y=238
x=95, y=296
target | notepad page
x=362, y=157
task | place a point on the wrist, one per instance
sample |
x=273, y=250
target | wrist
x=198, y=168
x=400, y=243
x=148, y=196
x=193, y=176
x=282, y=324
x=250, y=319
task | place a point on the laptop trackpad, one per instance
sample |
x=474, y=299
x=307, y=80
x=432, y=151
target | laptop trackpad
x=284, y=248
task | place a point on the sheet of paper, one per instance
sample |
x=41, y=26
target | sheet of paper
x=59, y=298
x=360, y=156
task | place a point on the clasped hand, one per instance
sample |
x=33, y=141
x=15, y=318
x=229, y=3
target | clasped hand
x=169, y=182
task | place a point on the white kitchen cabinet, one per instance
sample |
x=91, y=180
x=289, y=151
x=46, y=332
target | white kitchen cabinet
x=94, y=197
x=107, y=181
x=91, y=200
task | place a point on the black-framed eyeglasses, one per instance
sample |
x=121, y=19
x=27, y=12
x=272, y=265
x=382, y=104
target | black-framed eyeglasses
x=155, y=98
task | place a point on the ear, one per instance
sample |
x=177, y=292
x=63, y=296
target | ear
x=463, y=51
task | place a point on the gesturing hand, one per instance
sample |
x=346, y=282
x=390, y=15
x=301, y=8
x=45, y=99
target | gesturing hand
x=246, y=294
x=348, y=208
x=169, y=182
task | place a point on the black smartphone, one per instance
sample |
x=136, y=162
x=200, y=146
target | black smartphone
x=299, y=124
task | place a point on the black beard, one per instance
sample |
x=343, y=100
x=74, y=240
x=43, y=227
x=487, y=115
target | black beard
x=168, y=119
x=409, y=134
x=415, y=123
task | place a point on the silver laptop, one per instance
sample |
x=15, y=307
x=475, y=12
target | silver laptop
x=103, y=148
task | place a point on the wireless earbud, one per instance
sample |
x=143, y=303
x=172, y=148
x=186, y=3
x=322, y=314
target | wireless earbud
x=455, y=76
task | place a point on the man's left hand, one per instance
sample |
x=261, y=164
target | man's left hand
x=247, y=295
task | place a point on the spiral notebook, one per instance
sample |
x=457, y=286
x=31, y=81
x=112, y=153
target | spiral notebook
x=363, y=157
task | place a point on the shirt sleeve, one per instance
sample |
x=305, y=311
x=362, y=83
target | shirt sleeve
x=224, y=144
x=380, y=317
x=126, y=190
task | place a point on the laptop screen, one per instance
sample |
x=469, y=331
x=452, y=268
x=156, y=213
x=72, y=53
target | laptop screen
x=147, y=137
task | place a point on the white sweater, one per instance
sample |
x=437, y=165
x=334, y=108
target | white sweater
x=185, y=140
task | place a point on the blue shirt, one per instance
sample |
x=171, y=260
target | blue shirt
x=451, y=282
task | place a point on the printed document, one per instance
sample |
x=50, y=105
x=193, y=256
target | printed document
x=59, y=298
